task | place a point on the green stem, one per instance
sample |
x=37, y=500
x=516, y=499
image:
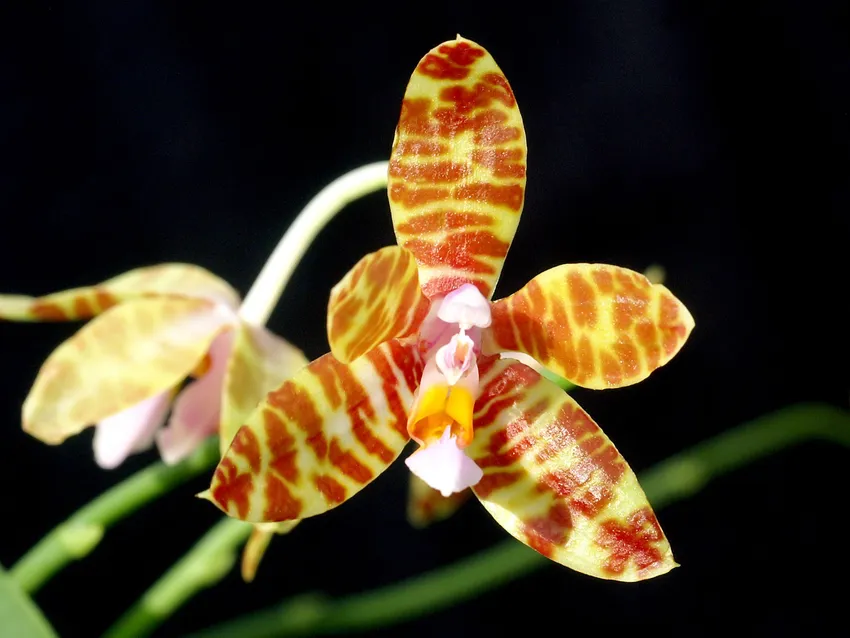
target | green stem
x=672, y=480
x=79, y=535
x=204, y=565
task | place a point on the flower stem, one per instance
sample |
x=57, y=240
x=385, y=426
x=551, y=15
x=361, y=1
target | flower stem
x=674, y=479
x=212, y=557
x=80, y=534
x=263, y=295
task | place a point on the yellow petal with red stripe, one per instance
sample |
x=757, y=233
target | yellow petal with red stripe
x=320, y=437
x=555, y=482
x=596, y=325
x=425, y=505
x=175, y=279
x=379, y=299
x=457, y=170
x=130, y=353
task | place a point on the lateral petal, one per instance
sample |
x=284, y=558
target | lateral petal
x=173, y=279
x=555, y=482
x=457, y=169
x=378, y=300
x=598, y=326
x=126, y=355
x=320, y=437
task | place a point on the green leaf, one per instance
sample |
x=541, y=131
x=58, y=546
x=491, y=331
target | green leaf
x=19, y=615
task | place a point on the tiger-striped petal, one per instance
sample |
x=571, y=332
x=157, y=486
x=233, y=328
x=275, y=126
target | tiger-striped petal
x=555, y=482
x=457, y=169
x=379, y=299
x=320, y=437
x=134, y=351
x=173, y=279
x=598, y=326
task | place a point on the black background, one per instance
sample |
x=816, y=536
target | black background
x=709, y=137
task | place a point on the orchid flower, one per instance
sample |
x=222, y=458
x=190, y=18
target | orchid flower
x=153, y=327
x=416, y=349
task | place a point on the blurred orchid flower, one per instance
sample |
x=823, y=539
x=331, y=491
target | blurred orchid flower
x=415, y=353
x=153, y=328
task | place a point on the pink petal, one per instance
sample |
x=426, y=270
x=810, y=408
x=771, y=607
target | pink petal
x=197, y=408
x=131, y=430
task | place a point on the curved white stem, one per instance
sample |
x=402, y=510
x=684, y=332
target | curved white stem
x=264, y=294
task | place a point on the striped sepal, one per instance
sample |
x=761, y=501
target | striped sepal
x=557, y=483
x=181, y=280
x=457, y=170
x=599, y=326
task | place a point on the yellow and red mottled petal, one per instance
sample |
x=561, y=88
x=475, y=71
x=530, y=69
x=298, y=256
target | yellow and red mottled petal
x=320, y=437
x=257, y=544
x=596, y=325
x=557, y=483
x=180, y=280
x=457, y=170
x=425, y=505
x=259, y=362
x=126, y=355
x=378, y=300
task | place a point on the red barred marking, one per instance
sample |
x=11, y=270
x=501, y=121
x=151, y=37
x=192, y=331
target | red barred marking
x=440, y=220
x=545, y=533
x=479, y=96
x=459, y=250
x=421, y=148
x=297, y=405
x=510, y=197
x=407, y=362
x=502, y=163
x=281, y=505
x=583, y=299
x=83, y=308
x=631, y=542
x=429, y=173
x=281, y=445
x=105, y=299
x=48, y=311
x=441, y=69
x=348, y=464
x=461, y=53
x=674, y=329
x=417, y=197
x=389, y=384
x=325, y=369
x=232, y=487
x=330, y=488
x=246, y=445
x=493, y=481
